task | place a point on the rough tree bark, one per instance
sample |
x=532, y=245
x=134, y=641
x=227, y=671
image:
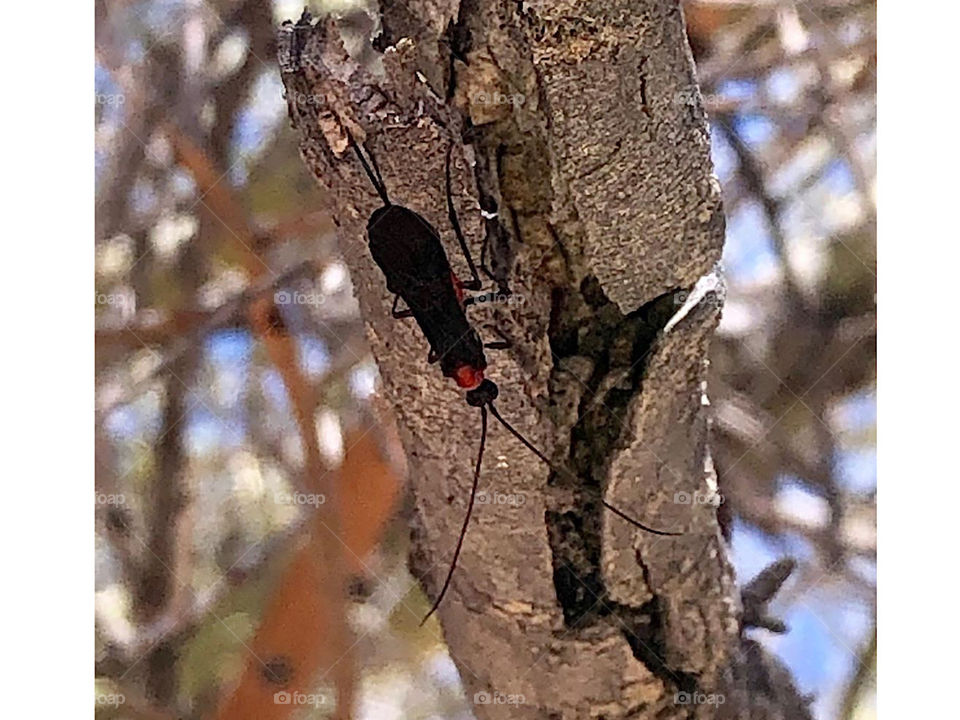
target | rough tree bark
x=578, y=128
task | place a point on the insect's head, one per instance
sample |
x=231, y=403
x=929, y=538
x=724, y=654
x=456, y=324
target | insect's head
x=464, y=361
x=485, y=393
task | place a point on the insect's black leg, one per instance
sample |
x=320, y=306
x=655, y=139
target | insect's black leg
x=488, y=208
x=400, y=314
x=491, y=220
x=466, y=520
x=483, y=258
x=503, y=344
x=475, y=283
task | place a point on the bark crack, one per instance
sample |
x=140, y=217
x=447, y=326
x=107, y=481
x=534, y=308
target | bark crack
x=617, y=347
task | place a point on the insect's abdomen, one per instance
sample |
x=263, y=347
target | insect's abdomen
x=407, y=248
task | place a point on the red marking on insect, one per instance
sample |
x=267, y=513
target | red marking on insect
x=458, y=289
x=468, y=377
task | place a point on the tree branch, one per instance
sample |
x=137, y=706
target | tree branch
x=602, y=214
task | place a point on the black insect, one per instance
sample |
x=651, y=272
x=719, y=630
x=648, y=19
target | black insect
x=408, y=250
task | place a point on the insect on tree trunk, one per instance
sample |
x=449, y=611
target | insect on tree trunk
x=577, y=129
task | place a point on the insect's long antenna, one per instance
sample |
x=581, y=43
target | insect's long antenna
x=466, y=520
x=375, y=179
x=639, y=524
x=522, y=439
x=562, y=471
x=376, y=168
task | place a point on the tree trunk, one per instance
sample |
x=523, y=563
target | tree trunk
x=578, y=129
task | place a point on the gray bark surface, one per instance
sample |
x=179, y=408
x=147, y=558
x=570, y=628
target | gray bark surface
x=587, y=137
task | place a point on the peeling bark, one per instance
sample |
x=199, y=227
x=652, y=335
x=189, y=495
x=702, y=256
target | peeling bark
x=577, y=128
